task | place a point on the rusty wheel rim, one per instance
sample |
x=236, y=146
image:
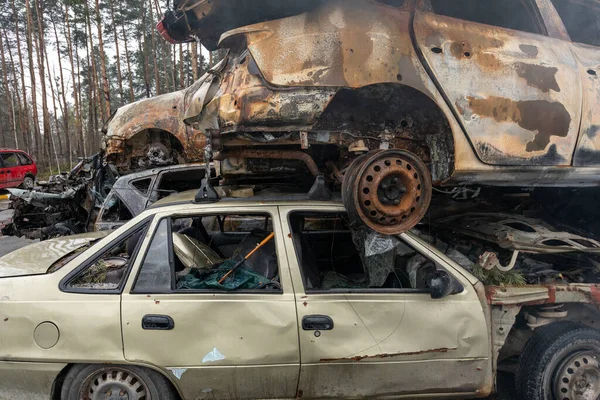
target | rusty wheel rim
x=389, y=191
x=578, y=377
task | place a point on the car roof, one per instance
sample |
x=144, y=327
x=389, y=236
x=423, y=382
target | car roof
x=266, y=199
x=154, y=171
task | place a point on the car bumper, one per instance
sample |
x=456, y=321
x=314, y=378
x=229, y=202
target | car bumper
x=27, y=381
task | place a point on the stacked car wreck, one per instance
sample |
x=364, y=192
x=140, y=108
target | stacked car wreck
x=418, y=119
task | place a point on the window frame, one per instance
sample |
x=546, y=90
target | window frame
x=371, y=291
x=202, y=213
x=9, y=153
x=64, y=283
x=531, y=7
x=566, y=35
x=24, y=157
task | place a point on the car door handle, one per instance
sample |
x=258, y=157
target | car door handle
x=317, y=323
x=157, y=322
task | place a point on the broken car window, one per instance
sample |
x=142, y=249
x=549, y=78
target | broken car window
x=115, y=210
x=108, y=272
x=179, y=181
x=184, y=255
x=511, y=14
x=332, y=256
x=582, y=20
x=142, y=185
x=24, y=159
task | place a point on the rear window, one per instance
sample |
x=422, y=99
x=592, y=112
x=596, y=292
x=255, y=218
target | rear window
x=25, y=160
x=511, y=14
x=582, y=20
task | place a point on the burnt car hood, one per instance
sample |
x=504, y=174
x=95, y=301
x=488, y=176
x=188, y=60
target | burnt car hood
x=38, y=257
x=209, y=19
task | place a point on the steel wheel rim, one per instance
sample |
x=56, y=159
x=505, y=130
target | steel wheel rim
x=114, y=384
x=578, y=377
x=389, y=191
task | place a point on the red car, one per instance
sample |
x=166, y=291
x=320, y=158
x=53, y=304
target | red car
x=17, y=168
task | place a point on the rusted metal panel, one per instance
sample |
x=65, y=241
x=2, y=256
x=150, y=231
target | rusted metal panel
x=521, y=102
x=374, y=348
x=544, y=294
x=588, y=147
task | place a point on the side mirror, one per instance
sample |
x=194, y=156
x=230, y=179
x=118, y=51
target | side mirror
x=440, y=284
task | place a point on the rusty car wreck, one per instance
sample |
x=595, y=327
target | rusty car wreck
x=455, y=94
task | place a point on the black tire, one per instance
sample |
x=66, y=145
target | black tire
x=543, y=371
x=28, y=182
x=80, y=377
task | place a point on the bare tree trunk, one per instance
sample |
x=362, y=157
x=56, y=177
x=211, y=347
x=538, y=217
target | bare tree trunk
x=181, y=77
x=7, y=93
x=16, y=109
x=65, y=106
x=36, y=127
x=95, y=101
x=58, y=150
x=92, y=110
x=116, y=36
x=195, y=61
x=156, y=74
x=25, y=113
x=40, y=50
x=144, y=52
x=105, y=85
x=76, y=88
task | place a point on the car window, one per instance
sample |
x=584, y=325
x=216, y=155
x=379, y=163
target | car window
x=582, y=20
x=108, y=271
x=179, y=181
x=115, y=210
x=25, y=160
x=9, y=160
x=334, y=257
x=511, y=14
x=142, y=185
x=184, y=256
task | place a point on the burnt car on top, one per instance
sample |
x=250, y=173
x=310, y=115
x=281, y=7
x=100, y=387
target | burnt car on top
x=385, y=98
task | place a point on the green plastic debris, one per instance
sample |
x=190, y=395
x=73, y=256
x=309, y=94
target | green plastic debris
x=242, y=278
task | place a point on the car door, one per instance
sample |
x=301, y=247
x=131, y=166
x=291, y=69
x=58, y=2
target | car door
x=515, y=90
x=11, y=169
x=378, y=340
x=3, y=180
x=215, y=344
x=582, y=22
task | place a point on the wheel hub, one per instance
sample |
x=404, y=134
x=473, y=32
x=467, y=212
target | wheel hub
x=388, y=190
x=578, y=378
x=115, y=384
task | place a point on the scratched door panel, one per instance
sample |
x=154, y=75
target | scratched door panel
x=517, y=94
x=588, y=148
x=224, y=345
x=389, y=343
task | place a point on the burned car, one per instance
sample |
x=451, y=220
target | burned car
x=323, y=310
x=392, y=96
x=63, y=205
x=131, y=194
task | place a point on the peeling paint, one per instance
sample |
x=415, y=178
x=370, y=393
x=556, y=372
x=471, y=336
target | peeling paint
x=212, y=356
x=177, y=372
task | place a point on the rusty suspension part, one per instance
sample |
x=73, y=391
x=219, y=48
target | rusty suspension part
x=389, y=191
x=271, y=154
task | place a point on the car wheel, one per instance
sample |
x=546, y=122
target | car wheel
x=561, y=361
x=116, y=382
x=28, y=182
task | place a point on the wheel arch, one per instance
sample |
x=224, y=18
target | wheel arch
x=121, y=152
x=59, y=380
x=411, y=115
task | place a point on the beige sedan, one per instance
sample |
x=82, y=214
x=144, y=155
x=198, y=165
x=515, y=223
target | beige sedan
x=242, y=299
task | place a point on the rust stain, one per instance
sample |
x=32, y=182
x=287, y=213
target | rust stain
x=305, y=304
x=543, y=117
x=386, y=355
x=529, y=49
x=543, y=78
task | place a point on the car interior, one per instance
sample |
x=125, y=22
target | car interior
x=330, y=259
